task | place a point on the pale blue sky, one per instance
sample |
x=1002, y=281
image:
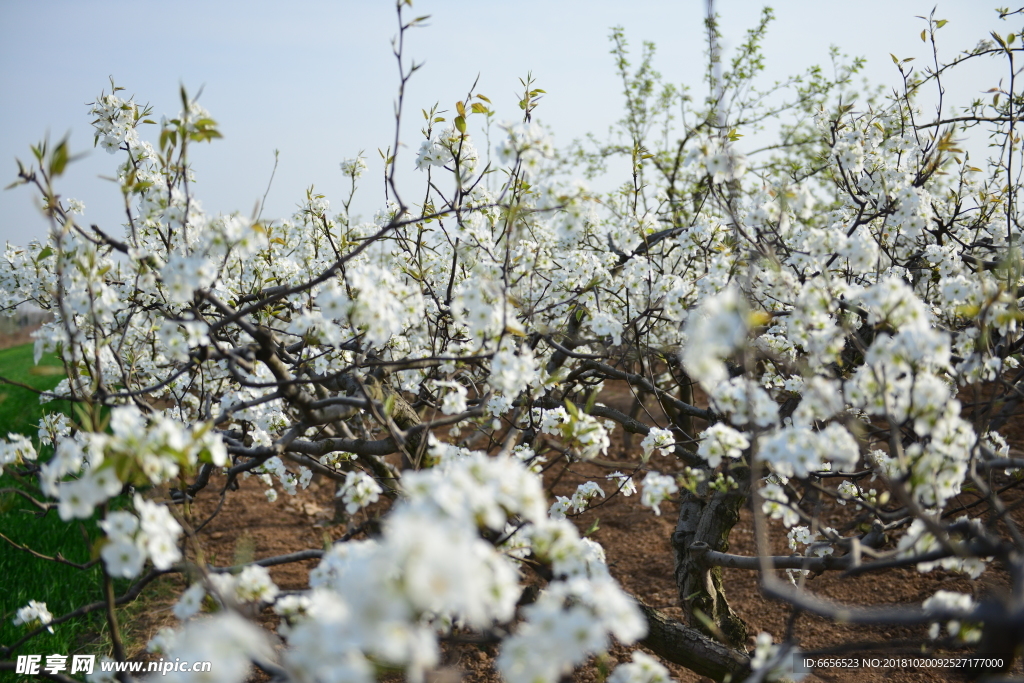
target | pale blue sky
x=316, y=80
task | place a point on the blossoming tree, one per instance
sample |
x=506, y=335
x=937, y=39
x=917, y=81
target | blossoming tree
x=805, y=318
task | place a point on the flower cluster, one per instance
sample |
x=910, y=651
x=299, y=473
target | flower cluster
x=33, y=615
x=358, y=490
x=657, y=488
x=131, y=540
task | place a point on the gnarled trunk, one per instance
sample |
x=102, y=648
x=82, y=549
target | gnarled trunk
x=707, y=517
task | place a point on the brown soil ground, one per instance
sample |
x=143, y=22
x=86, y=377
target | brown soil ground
x=638, y=552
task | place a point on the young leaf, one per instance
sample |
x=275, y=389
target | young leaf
x=572, y=409
x=59, y=160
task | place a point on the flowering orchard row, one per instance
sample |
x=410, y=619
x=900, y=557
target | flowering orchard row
x=830, y=296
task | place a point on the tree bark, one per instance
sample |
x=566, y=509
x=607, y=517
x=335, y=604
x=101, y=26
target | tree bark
x=708, y=517
x=680, y=644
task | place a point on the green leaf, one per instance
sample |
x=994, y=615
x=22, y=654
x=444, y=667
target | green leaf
x=460, y=124
x=572, y=409
x=44, y=254
x=480, y=109
x=940, y=23
x=59, y=160
x=924, y=35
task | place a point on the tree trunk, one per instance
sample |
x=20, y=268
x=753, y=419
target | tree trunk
x=708, y=517
x=688, y=647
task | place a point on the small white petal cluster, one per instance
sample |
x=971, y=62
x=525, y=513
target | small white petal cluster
x=798, y=451
x=225, y=638
x=776, y=505
x=720, y=161
x=115, y=122
x=16, y=449
x=918, y=540
x=579, y=501
x=722, y=441
x=959, y=604
x=33, y=615
x=643, y=669
x=662, y=439
x=623, y=483
x=657, y=488
x=512, y=371
x=358, y=490
x=745, y=403
x=577, y=428
x=527, y=144
x=570, y=621
x=372, y=300
x=274, y=468
x=131, y=540
x=353, y=168
x=714, y=332
x=190, y=602
x=815, y=545
x=455, y=400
